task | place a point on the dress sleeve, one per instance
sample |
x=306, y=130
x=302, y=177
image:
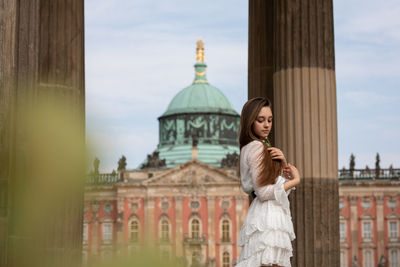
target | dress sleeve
x=268, y=192
x=246, y=182
x=247, y=186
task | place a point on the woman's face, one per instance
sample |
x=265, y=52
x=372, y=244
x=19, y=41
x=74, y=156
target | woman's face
x=263, y=123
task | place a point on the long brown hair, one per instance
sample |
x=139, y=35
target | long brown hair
x=269, y=168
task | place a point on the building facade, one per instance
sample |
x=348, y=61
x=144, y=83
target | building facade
x=369, y=203
x=192, y=212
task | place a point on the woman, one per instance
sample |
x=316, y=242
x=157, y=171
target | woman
x=267, y=231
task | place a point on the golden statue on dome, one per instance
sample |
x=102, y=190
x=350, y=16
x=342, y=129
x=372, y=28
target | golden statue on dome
x=200, y=51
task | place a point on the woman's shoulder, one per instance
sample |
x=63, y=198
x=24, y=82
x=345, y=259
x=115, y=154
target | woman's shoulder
x=251, y=150
x=255, y=144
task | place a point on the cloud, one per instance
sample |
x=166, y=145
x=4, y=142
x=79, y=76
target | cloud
x=368, y=22
x=368, y=99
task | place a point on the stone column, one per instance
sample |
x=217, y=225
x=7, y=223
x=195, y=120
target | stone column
x=211, y=227
x=261, y=57
x=41, y=58
x=380, y=225
x=354, y=226
x=7, y=97
x=305, y=123
x=178, y=227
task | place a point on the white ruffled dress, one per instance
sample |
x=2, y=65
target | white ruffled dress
x=267, y=231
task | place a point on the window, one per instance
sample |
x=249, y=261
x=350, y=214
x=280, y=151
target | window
x=342, y=230
x=195, y=228
x=164, y=230
x=367, y=231
x=393, y=258
x=107, y=232
x=343, y=260
x=393, y=230
x=225, y=231
x=368, y=260
x=225, y=259
x=134, y=231
x=85, y=233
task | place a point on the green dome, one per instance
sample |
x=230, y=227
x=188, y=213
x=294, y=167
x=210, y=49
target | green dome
x=200, y=97
x=199, y=115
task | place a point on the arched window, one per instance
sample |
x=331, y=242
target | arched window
x=225, y=231
x=195, y=228
x=164, y=230
x=134, y=231
x=225, y=259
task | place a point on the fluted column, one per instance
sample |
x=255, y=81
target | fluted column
x=261, y=57
x=41, y=62
x=305, y=123
x=7, y=98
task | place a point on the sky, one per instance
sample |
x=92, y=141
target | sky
x=140, y=54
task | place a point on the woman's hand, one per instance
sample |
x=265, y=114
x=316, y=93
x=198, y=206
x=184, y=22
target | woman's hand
x=276, y=153
x=292, y=173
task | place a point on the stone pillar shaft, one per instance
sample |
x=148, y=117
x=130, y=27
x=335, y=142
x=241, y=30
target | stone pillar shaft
x=41, y=58
x=304, y=108
x=7, y=101
x=261, y=57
